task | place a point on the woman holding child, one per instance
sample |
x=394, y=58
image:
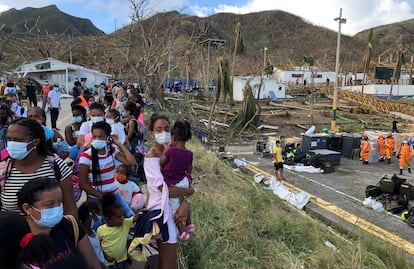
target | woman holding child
x=159, y=192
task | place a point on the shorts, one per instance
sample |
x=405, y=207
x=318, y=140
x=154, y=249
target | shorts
x=278, y=166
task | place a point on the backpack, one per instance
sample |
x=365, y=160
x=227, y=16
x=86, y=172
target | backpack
x=77, y=191
x=140, y=130
x=373, y=191
x=391, y=185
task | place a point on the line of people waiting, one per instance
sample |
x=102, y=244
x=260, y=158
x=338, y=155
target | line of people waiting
x=37, y=184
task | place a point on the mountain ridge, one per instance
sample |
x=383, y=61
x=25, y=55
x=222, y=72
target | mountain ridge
x=49, y=20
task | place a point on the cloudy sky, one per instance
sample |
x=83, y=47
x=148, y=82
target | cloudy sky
x=361, y=15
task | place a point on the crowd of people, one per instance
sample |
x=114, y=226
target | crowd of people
x=102, y=153
x=387, y=148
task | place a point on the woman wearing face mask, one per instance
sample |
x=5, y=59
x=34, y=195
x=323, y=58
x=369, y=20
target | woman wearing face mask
x=41, y=201
x=97, y=165
x=97, y=114
x=159, y=191
x=29, y=160
x=72, y=130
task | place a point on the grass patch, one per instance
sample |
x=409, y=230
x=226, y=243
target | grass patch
x=240, y=226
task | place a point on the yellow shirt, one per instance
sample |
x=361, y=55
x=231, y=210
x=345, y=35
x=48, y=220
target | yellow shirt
x=277, y=154
x=114, y=239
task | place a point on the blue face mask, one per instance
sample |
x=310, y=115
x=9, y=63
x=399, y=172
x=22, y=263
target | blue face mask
x=98, y=144
x=163, y=138
x=49, y=217
x=77, y=119
x=18, y=150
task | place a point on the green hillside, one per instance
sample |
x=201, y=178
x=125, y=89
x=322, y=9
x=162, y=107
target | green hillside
x=50, y=20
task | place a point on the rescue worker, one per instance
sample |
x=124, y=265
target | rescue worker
x=382, y=147
x=82, y=100
x=404, y=153
x=390, y=146
x=46, y=87
x=365, y=149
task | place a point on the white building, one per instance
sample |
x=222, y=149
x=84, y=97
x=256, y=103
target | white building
x=56, y=71
x=301, y=74
x=271, y=89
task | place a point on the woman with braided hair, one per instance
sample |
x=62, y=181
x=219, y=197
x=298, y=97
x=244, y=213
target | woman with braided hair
x=97, y=165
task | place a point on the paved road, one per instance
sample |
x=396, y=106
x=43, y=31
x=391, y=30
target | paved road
x=345, y=189
x=65, y=115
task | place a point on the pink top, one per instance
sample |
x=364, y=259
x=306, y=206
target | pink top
x=141, y=118
x=157, y=199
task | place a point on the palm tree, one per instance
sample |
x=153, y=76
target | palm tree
x=400, y=61
x=224, y=85
x=238, y=48
x=368, y=56
x=308, y=61
x=249, y=113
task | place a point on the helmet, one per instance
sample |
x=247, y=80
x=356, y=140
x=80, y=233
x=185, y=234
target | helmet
x=364, y=136
x=389, y=133
x=380, y=136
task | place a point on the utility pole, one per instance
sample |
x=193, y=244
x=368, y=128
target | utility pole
x=264, y=56
x=70, y=50
x=338, y=47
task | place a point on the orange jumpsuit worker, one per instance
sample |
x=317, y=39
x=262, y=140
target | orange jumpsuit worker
x=405, y=151
x=365, y=149
x=390, y=146
x=382, y=147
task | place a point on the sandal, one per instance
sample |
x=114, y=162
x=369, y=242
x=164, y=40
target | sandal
x=190, y=228
x=184, y=236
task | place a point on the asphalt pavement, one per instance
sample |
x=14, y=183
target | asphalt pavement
x=344, y=190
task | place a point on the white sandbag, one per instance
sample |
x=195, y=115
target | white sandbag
x=299, y=199
x=377, y=206
x=308, y=169
x=281, y=191
x=239, y=162
x=368, y=202
x=258, y=178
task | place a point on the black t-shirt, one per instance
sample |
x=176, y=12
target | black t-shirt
x=66, y=255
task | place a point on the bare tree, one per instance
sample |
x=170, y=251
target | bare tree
x=152, y=39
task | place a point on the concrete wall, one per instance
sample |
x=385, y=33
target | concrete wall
x=383, y=89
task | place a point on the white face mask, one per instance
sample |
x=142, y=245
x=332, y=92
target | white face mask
x=163, y=138
x=97, y=119
x=128, y=91
x=110, y=121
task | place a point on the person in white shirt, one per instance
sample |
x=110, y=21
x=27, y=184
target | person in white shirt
x=53, y=100
x=15, y=107
x=97, y=113
x=113, y=117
